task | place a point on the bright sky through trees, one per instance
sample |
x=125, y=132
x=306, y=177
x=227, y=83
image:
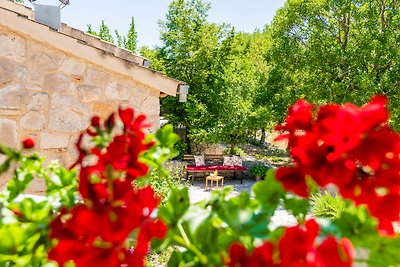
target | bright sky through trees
x=245, y=15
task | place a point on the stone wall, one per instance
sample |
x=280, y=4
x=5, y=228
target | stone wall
x=217, y=149
x=50, y=96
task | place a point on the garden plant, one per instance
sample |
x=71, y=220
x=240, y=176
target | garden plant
x=103, y=211
x=259, y=171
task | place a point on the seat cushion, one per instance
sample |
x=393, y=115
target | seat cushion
x=228, y=161
x=215, y=168
x=237, y=161
x=199, y=160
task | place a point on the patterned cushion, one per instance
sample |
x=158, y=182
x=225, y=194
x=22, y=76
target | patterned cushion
x=237, y=161
x=199, y=160
x=228, y=161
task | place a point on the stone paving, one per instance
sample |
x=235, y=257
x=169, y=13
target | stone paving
x=197, y=193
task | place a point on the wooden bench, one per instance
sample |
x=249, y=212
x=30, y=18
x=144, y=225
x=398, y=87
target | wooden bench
x=217, y=165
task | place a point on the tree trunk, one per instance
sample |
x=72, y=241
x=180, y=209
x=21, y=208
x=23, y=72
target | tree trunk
x=232, y=149
x=262, y=138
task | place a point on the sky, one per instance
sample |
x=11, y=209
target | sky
x=244, y=15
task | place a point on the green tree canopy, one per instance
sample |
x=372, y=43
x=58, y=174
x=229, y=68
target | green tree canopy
x=337, y=51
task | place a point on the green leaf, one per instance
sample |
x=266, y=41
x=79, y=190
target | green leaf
x=166, y=136
x=356, y=224
x=175, y=260
x=175, y=207
x=268, y=192
x=297, y=206
x=5, y=166
x=32, y=211
x=12, y=237
x=385, y=252
x=242, y=214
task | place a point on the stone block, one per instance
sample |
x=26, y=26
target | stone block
x=21, y=73
x=53, y=141
x=89, y=93
x=44, y=58
x=96, y=77
x=13, y=46
x=44, y=62
x=104, y=109
x=33, y=120
x=6, y=71
x=67, y=114
x=12, y=97
x=33, y=87
x=35, y=76
x=39, y=101
x=141, y=93
x=132, y=103
x=151, y=106
x=57, y=83
x=154, y=122
x=118, y=91
x=8, y=133
x=73, y=67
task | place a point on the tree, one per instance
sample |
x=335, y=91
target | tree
x=131, y=38
x=129, y=41
x=339, y=51
x=225, y=70
x=157, y=62
x=190, y=50
x=244, y=74
x=104, y=32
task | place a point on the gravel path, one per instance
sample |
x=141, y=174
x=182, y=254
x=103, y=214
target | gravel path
x=197, y=193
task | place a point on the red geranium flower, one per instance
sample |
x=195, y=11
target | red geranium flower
x=96, y=232
x=350, y=147
x=297, y=247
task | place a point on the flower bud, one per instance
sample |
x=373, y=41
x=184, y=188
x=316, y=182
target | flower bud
x=28, y=143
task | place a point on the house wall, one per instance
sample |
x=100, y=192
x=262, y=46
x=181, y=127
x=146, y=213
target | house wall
x=50, y=96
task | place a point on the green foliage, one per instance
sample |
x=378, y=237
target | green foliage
x=24, y=223
x=162, y=184
x=226, y=72
x=268, y=192
x=131, y=38
x=259, y=170
x=129, y=41
x=335, y=51
x=198, y=52
x=157, y=62
x=325, y=205
x=161, y=179
x=181, y=147
x=237, y=151
x=103, y=33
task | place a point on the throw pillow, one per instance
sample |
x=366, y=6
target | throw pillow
x=237, y=161
x=228, y=161
x=199, y=160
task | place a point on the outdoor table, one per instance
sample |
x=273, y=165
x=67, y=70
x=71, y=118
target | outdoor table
x=213, y=178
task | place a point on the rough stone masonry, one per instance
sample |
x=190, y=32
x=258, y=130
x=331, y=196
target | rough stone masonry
x=50, y=96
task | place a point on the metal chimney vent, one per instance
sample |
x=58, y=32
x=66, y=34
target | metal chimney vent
x=48, y=15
